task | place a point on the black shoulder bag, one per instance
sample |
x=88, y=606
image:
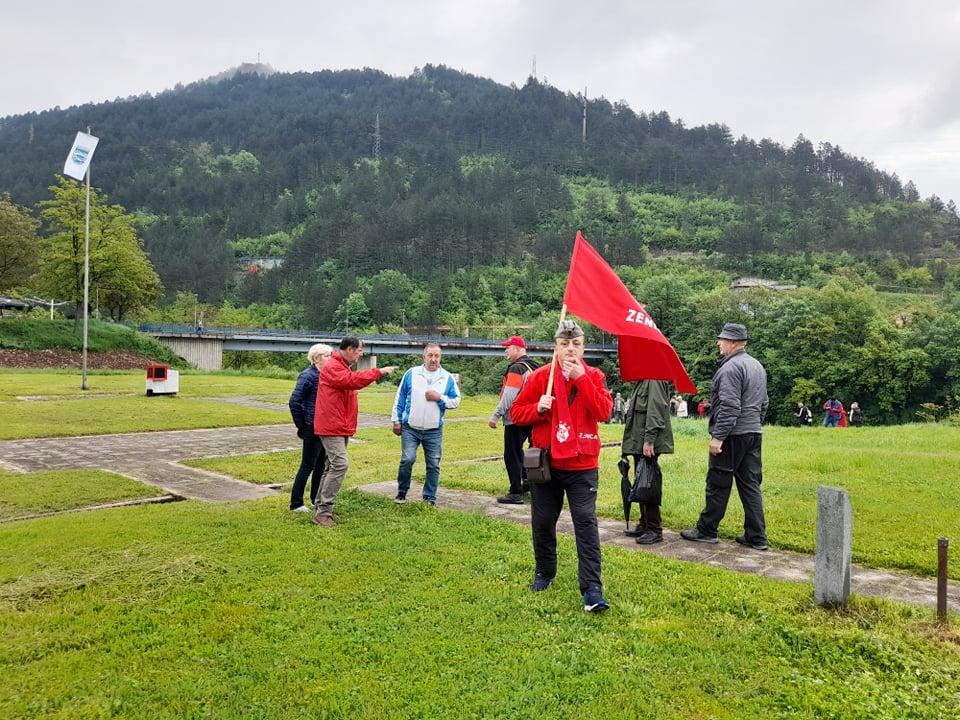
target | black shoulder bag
x=536, y=461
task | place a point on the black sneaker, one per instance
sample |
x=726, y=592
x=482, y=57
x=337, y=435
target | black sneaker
x=637, y=531
x=650, y=537
x=696, y=536
x=593, y=600
x=540, y=582
x=430, y=501
x=756, y=545
x=401, y=498
x=511, y=499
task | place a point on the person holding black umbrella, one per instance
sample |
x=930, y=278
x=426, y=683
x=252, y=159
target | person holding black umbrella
x=647, y=435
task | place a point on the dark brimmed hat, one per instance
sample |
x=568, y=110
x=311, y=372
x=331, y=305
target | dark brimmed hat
x=568, y=330
x=733, y=331
x=515, y=340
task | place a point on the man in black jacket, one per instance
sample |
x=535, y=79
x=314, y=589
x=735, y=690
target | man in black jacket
x=738, y=406
x=514, y=435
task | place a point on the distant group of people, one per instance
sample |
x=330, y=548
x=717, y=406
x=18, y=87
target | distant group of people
x=834, y=414
x=324, y=409
x=677, y=404
x=555, y=408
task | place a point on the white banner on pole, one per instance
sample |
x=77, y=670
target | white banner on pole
x=80, y=155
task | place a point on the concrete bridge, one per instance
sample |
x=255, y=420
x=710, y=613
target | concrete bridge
x=205, y=349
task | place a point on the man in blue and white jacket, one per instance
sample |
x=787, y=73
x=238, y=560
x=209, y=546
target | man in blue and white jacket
x=425, y=393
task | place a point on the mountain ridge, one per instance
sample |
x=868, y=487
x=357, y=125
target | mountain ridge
x=470, y=172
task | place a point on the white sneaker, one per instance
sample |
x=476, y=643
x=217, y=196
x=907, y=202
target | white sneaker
x=302, y=509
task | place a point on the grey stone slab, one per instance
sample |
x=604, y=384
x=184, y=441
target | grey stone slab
x=834, y=549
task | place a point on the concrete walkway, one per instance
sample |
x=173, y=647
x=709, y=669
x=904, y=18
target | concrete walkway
x=154, y=457
x=773, y=564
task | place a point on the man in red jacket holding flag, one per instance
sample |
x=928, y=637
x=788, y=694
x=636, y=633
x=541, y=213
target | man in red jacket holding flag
x=565, y=423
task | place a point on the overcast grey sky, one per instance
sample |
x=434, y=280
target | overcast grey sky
x=880, y=79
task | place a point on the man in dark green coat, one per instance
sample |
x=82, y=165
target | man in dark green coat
x=648, y=433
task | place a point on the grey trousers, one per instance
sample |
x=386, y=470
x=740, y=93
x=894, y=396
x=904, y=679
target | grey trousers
x=334, y=471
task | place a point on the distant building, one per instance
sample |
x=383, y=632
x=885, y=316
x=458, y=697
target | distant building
x=747, y=283
x=255, y=264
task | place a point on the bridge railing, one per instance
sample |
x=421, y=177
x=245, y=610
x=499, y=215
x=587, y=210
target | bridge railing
x=414, y=341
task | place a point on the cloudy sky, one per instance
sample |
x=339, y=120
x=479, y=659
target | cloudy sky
x=880, y=79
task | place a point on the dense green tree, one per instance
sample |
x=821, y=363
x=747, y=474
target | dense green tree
x=120, y=272
x=352, y=315
x=18, y=243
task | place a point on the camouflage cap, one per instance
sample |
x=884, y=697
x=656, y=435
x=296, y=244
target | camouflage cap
x=567, y=330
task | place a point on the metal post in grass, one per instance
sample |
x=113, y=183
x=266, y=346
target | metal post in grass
x=943, y=545
x=78, y=167
x=834, y=552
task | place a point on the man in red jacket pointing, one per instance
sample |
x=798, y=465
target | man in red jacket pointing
x=335, y=418
x=565, y=424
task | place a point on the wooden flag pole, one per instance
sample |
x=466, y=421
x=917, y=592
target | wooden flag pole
x=553, y=362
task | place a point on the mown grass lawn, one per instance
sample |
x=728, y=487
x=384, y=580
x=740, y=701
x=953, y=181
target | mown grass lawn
x=902, y=482
x=98, y=416
x=70, y=411
x=228, y=611
x=193, y=384
x=62, y=490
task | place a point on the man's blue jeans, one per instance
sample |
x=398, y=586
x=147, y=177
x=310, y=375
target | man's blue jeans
x=432, y=441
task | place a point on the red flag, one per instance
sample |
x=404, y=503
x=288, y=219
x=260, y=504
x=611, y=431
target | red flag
x=596, y=294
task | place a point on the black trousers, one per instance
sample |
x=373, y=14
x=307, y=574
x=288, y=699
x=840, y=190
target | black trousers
x=514, y=436
x=311, y=465
x=580, y=487
x=739, y=460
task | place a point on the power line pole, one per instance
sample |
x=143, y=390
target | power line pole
x=376, y=140
x=584, y=137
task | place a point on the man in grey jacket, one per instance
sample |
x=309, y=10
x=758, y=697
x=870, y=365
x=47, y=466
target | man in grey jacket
x=738, y=406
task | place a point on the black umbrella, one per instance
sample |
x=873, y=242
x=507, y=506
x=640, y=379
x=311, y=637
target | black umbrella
x=624, y=467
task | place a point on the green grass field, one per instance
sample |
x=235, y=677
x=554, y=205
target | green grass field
x=192, y=610
x=70, y=411
x=53, y=491
x=193, y=384
x=98, y=416
x=901, y=480
x=246, y=610
x=42, y=334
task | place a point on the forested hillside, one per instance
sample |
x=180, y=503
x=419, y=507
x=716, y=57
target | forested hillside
x=446, y=199
x=470, y=173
